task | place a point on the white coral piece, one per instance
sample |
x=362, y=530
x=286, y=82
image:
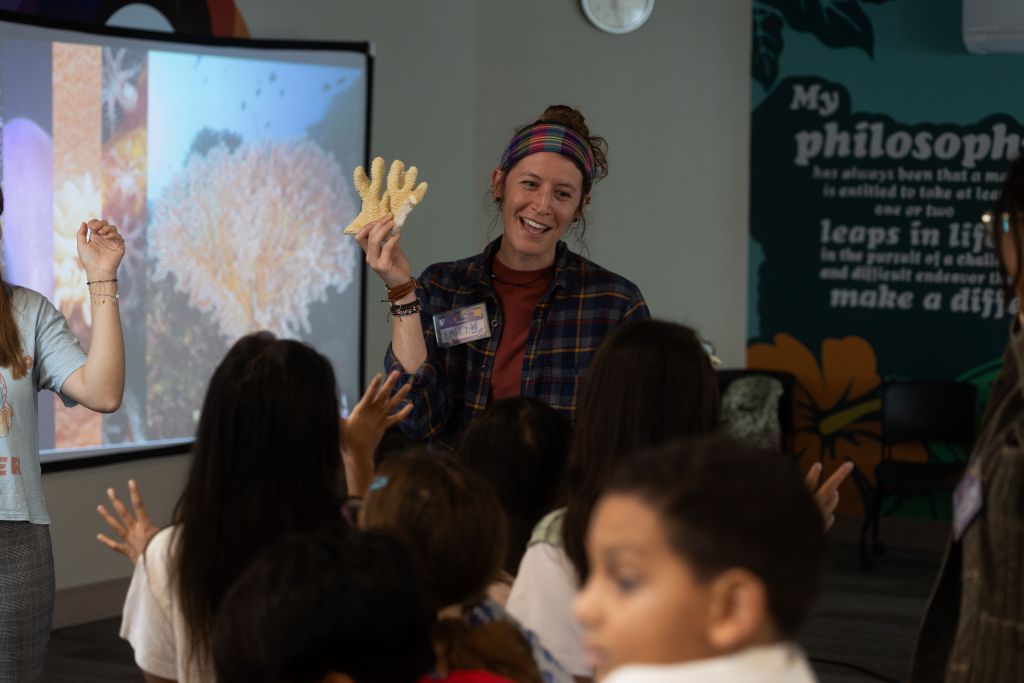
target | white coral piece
x=250, y=236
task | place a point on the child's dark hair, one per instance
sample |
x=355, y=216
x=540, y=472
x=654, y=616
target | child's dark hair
x=451, y=518
x=455, y=526
x=650, y=381
x=264, y=465
x=726, y=505
x=519, y=445
x=330, y=601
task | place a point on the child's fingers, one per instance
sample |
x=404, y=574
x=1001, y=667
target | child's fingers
x=399, y=416
x=389, y=384
x=137, y=504
x=371, y=391
x=112, y=544
x=812, y=476
x=840, y=475
x=120, y=507
x=399, y=396
x=112, y=521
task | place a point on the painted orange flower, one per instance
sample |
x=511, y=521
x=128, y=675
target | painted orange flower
x=837, y=402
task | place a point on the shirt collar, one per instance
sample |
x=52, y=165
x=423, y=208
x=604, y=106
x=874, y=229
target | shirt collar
x=567, y=271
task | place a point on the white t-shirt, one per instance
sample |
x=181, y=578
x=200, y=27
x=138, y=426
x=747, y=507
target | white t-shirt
x=152, y=620
x=541, y=599
x=781, y=663
x=54, y=354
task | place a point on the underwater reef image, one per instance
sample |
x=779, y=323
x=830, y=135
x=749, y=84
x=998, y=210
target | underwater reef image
x=253, y=236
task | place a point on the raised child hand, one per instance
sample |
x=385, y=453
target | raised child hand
x=827, y=495
x=134, y=526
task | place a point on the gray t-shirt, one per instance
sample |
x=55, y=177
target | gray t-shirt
x=55, y=353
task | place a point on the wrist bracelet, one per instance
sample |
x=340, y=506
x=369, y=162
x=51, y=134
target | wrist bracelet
x=115, y=298
x=96, y=282
x=396, y=293
x=401, y=310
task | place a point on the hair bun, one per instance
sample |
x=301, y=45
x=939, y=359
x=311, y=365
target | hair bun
x=568, y=117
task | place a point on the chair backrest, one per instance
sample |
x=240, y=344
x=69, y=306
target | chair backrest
x=769, y=390
x=928, y=410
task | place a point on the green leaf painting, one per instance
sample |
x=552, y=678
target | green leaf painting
x=836, y=23
x=767, y=45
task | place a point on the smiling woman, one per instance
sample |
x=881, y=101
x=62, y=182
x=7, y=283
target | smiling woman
x=524, y=317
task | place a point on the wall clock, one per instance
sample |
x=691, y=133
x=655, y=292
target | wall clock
x=617, y=16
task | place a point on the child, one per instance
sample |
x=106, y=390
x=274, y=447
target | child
x=331, y=605
x=519, y=445
x=455, y=527
x=705, y=558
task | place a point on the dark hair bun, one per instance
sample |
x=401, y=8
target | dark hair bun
x=567, y=116
x=572, y=118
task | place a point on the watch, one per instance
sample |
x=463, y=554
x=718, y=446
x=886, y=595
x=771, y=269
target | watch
x=617, y=16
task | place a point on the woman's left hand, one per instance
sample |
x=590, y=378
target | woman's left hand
x=101, y=248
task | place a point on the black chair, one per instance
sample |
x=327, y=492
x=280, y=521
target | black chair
x=785, y=407
x=918, y=410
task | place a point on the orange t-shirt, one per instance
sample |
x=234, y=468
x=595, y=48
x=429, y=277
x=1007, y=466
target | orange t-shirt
x=519, y=292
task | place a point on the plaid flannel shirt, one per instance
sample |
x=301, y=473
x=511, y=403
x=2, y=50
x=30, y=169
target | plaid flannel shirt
x=583, y=305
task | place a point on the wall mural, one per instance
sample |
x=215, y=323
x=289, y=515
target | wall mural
x=877, y=143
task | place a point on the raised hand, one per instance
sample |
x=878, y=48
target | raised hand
x=401, y=193
x=383, y=254
x=375, y=202
x=377, y=410
x=134, y=527
x=827, y=495
x=100, y=248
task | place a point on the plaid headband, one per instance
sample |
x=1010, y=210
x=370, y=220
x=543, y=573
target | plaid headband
x=551, y=137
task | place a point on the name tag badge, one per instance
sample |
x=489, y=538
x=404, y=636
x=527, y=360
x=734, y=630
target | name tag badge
x=967, y=502
x=461, y=325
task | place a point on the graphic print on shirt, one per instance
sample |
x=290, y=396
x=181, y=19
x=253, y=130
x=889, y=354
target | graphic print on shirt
x=6, y=411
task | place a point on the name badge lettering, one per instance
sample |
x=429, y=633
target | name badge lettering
x=461, y=325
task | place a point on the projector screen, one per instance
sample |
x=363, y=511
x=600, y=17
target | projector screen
x=227, y=167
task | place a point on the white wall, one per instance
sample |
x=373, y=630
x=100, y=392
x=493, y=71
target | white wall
x=452, y=81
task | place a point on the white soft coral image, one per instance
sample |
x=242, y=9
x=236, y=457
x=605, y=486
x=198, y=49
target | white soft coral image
x=119, y=92
x=252, y=235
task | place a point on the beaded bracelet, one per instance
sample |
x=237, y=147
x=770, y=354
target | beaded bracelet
x=100, y=299
x=401, y=310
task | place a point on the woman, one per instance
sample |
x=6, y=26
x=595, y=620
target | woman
x=38, y=351
x=547, y=308
x=974, y=626
x=651, y=381
x=265, y=464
